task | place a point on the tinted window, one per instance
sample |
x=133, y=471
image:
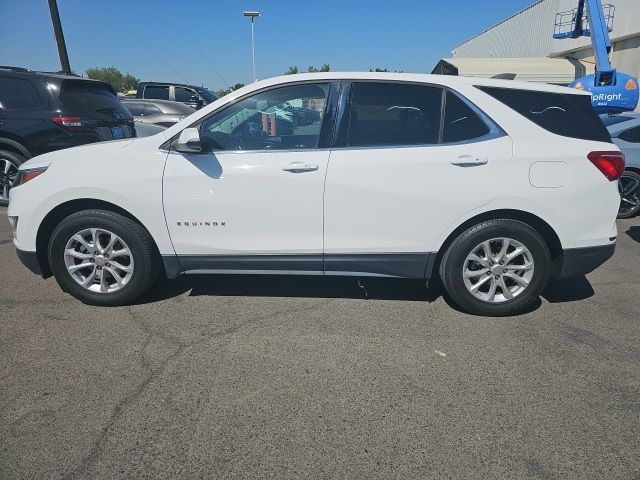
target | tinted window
x=136, y=109
x=632, y=135
x=460, y=121
x=185, y=94
x=282, y=118
x=393, y=114
x=16, y=93
x=151, y=110
x=94, y=100
x=156, y=91
x=610, y=120
x=569, y=115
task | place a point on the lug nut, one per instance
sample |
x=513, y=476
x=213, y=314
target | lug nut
x=108, y=264
x=91, y=260
x=95, y=252
x=497, y=277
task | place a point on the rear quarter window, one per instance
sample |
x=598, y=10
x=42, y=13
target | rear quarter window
x=568, y=115
x=18, y=94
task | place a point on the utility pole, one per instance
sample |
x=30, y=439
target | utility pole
x=57, y=31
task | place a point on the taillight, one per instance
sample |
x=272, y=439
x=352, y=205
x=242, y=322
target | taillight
x=75, y=124
x=611, y=164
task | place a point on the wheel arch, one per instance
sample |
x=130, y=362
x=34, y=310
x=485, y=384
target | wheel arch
x=15, y=147
x=63, y=210
x=541, y=226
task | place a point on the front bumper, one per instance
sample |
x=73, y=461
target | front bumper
x=30, y=260
x=580, y=261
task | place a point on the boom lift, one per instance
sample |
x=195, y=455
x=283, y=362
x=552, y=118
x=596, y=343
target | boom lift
x=611, y=91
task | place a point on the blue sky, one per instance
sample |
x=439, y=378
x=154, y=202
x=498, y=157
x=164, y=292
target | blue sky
x=208, y=41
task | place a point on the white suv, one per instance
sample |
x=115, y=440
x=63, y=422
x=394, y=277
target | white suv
x=493, y=185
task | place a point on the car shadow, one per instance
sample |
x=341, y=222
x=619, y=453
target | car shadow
x=364, y=288
x=634, y=233
x=570, y=289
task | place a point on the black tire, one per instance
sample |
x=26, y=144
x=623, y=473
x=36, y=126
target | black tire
x=15, y=160
x=453, y=262
x=141, y=245
x=626, y=210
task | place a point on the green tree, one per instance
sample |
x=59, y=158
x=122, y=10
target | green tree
x=223, y=92
x=292, y=70
x=121, y=82
x=323, y=68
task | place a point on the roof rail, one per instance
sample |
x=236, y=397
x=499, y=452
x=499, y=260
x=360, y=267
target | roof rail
x=15, y=69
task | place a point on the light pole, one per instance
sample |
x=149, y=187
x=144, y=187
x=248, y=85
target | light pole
x=253, y=15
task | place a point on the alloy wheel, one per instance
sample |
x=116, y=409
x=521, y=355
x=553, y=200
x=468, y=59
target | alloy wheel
x=498, y=270
x=8, y=172
x=629, y=187
x=99, y=260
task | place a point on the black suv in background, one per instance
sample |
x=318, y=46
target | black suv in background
x=195, y=97
x=41, y=112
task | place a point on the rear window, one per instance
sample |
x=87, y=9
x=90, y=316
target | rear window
x=136, y=109
x=157, y=92
x=91, y=99
x=610, y=120
x=569, y=115
x=16, y=93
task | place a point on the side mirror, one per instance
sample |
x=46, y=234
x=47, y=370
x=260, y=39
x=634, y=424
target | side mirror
x=189, y=141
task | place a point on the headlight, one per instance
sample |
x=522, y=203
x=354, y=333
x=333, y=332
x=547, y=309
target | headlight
x=24, y=176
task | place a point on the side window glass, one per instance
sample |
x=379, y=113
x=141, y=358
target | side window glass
x=184, y=94
x=157, y=92
x=460, y=121
x=18, y=94
x=394, y=114
x=152, y=110
x=632, y=135
x=136, y=109
x=279, y=119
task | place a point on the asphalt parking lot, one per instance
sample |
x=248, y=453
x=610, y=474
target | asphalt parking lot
x=248, y=377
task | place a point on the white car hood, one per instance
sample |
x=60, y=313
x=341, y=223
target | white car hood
x=46, y=159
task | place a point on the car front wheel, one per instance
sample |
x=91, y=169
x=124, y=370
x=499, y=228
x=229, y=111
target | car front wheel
x=103, y=258
x=496, y=268
x=9, y=164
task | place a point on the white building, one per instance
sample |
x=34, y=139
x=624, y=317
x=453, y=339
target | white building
x=524, y=45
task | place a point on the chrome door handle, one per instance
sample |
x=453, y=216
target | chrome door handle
x=300, y=167
x=469, y=160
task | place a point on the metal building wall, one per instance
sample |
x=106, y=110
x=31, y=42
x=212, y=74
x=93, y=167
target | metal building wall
x=529, y=33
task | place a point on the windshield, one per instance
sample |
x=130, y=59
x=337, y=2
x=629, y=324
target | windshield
x=614, y=119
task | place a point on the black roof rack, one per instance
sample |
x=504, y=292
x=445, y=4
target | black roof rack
x=15, y=69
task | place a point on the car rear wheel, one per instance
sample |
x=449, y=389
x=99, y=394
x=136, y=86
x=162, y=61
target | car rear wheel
x=9, y=164
x=496, y=268
x=103, y=258
x=629, y=187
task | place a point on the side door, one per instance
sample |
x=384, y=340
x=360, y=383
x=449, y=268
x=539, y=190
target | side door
x=253, y=201
x=629, y=142
x=409, y=160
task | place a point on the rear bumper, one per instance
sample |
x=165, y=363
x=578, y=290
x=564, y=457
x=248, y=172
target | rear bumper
x=580, y=261
x=30, y=260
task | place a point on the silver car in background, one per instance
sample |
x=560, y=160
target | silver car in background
x=158, y=112
x=625, y=133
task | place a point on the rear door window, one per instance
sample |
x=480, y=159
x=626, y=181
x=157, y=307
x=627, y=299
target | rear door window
x=393, y=114
x=18, y=94
x=461, y=123
x=632, y=135
x=185, y=94
x=158, y=92
x=91, y=99
x=569, y=115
